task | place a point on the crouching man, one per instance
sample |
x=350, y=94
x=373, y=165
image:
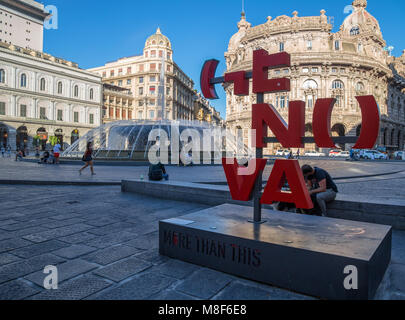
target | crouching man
x=321, y=186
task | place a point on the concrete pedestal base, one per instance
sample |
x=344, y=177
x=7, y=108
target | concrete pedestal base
x=305, y=254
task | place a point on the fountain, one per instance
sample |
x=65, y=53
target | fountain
x=130, y=140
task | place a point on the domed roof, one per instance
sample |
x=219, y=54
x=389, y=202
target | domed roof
x=158, y=39
x=243, y=25
x=360, y=20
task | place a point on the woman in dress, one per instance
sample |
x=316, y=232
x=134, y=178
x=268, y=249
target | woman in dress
x=87, y=157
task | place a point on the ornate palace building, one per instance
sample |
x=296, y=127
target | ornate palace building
x=345, y=64
x=142, y=76
x=42, y=98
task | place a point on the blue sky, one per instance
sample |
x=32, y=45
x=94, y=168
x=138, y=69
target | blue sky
x=92, y=32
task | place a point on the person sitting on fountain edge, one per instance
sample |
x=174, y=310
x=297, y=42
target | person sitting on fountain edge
x=321, y=186
x=157, y=172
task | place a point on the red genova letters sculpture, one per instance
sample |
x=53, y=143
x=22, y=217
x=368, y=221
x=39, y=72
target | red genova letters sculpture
x=265, y=116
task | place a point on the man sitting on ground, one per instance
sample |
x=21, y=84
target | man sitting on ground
x=321, y=185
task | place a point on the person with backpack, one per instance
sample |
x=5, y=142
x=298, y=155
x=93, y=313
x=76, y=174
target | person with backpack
x=157, y=172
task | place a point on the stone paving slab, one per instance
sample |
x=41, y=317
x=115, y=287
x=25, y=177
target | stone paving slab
x=152, y=256
x=74, y=251
x=37, y=249
x=6, y=258
x=176, y=269
x=142, y=287
x=123, y=269
x=66, y=271
x=204, y=283
x=111, y=239
x=19, y=269
x=145, y=242
x=57, y=232
x=78, y=238
x=10, y=244
x=75, y=289
x=111, y=254
x=16, y=290
x=172, y=295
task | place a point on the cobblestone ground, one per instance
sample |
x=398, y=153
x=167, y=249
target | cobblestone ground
x=104, y=244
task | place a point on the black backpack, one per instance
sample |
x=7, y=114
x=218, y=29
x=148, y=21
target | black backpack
x=155, y=172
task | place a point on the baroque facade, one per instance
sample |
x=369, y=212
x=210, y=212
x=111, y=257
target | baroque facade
x=349, y=63
x=142, y=75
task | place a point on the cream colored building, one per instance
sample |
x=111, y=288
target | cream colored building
x=345, y=64
x=118, y=103
x=44, y=96
x=141, y=75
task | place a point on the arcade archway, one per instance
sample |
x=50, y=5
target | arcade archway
x=339, y=130
x=22, y=138
x=42, y=138
x=3, y=135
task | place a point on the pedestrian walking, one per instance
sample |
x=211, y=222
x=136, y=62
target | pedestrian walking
x=56, y=152
x=8, y=151
x=88, y=158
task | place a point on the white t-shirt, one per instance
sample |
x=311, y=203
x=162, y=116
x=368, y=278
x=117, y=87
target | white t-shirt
x=56, y=148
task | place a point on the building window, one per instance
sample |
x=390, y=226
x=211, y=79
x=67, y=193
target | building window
x=76, y=116
x=281, y=48
x=152, y=90
x=140, y=115
x=152, y=79
x=168, y=56
x=309, y=45
x=337, y=84
x=152, y=102
x=23, y=80
x=146, y=54
x=2, y=76
x=153, y=66
x=160, y=54
x=104, y=74
x=282, y=102
x=76, y=91
x=91, y=94
x=42, y=84
x=141, y=91
x=140, y=103
x=151, y=114
x=128, y=81
x=60, y=87
x=129, y=70
x=310, y=84
x=60, y=115
x=42, y=113
x=310, y=101
x=141, y=68
x=305, y=70
x=337, y=45
x=167, y=91
x=91, y=118
x=334, y=70
x=141, y=80
x=355, y=31
x=112, y=73
x=315, y=70
x=2, y=108
x=153, y=54
x=360, y=86
x=23, y=110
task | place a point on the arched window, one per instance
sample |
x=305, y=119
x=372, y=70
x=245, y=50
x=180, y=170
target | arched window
x=337, y=84
x=76, y=91
x=23, y=82
x=2, y=76
x=60, y=87
x=355, y=31
x=91, y=94
x=42, y=84
x=360, y=86
x=310, y=84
